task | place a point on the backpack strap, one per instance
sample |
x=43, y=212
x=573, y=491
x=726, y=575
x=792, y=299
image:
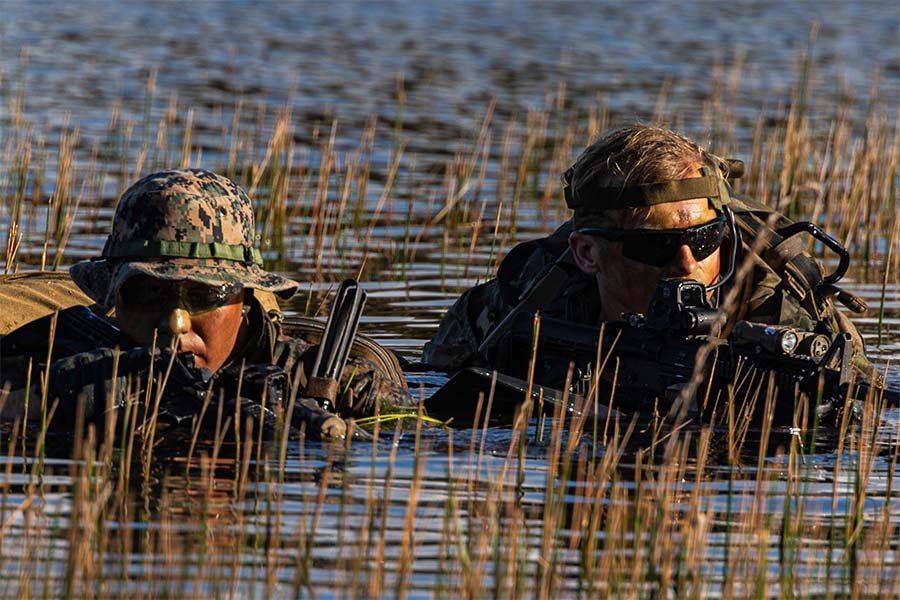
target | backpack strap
x=800, y=273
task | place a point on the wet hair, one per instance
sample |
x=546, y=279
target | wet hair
x=636, y=155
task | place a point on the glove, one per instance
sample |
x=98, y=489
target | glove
x=320, y=424
x=89, y=376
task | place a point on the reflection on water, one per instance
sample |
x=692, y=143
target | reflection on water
x=407, y=516
x=416, y=84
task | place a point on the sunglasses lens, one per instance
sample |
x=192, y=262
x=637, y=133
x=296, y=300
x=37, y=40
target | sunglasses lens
x=653, y=250
x=148, y=295
x=658, y=249
x=706, y=239
x=199, y=298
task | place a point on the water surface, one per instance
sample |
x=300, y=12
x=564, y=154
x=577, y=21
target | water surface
x=426, y=75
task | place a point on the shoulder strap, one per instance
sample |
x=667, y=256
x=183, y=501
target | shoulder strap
x=528, y=261
x=267, y=300
x=800, y=273
x=541, y=292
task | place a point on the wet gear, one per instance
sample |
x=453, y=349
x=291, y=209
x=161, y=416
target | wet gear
x=83, y=355
x=658, y=247
x=84, y=382
x=183, y=224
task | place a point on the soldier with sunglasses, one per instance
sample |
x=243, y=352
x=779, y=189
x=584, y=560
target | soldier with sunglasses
x=649, y=204
x=181, y=281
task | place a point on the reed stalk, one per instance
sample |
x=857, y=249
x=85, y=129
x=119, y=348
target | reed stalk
x=238, y=514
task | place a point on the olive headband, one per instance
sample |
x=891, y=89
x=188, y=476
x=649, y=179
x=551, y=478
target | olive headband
x=590, y=200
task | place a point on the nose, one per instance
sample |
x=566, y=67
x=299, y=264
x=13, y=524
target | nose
x=177, y=322
x=684, y=263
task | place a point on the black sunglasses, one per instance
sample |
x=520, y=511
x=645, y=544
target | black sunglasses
x=658, y=247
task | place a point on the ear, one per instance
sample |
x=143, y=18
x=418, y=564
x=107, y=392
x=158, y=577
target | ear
x=585, y=251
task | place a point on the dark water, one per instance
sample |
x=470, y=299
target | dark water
x=427, y=73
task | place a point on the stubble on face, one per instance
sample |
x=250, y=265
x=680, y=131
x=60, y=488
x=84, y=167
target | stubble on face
x=626, y=285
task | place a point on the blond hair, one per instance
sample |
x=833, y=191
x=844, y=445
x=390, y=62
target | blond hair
x=637, y=155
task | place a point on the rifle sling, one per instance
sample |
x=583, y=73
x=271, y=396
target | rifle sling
x=546, y=290
x=536, y=297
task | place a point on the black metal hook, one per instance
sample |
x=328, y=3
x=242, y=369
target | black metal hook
x=831, y=243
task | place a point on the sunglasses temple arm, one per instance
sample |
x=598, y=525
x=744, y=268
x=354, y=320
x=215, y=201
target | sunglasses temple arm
x=735, y=244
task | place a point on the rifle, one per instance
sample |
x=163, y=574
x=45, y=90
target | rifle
x=334, y=349
x=84, y=355
x=652, y=358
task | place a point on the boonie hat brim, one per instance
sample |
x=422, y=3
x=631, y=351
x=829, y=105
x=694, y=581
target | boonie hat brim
x=100, y=278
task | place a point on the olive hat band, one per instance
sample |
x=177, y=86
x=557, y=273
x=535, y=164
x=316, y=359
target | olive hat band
x=605, y=198
x=172, y=249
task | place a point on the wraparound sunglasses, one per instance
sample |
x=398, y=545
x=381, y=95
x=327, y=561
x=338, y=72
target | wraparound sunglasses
x=150, y=295
x=658, y=247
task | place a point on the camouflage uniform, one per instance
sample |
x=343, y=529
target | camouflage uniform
x=765, y=297
x=198, y=226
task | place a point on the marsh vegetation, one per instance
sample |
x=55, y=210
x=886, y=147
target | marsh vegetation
x=419, y=208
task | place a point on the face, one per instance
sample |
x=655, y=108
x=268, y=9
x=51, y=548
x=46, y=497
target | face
x=627, y=285
x=197, y=318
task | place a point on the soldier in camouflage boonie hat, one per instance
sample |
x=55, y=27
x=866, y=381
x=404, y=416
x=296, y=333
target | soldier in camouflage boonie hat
x=180, y=225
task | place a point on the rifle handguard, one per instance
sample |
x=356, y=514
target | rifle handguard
x=337, y=340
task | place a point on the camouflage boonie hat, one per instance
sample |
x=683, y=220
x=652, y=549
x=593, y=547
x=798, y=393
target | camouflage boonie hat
x=190, y=224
